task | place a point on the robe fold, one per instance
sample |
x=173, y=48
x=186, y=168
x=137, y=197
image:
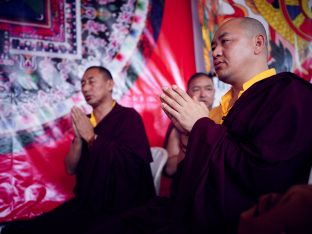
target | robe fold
x=280, y=213
x=113, y=175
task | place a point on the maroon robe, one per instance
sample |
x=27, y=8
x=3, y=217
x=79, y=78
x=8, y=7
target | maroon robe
x=289, y=213
x=264, y=145
x=113, y=175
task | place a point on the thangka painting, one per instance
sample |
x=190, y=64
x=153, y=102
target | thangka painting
x=46, y=45
x=288, y=24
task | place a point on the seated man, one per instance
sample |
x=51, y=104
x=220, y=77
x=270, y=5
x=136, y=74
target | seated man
x=199, y=86
x=111, y=162
x=257, y=142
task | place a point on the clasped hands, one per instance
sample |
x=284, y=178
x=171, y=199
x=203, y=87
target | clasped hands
x=181, y=109
x=81, y=124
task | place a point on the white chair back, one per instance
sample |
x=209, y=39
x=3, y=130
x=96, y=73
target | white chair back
x=160, y=156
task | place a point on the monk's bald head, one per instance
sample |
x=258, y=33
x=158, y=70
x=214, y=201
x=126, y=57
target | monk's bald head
x=253, y=28
x=239, y=50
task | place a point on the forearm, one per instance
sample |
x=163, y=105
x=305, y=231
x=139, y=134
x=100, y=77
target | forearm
x=172, y=163
x=73, y=156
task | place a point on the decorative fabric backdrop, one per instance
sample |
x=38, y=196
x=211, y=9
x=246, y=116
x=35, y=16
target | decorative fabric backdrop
x=45, y=46
x=288, y=24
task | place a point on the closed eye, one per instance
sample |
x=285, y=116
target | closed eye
x=224, y=41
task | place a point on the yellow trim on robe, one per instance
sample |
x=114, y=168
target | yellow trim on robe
x=217, y=113
x=92, y=118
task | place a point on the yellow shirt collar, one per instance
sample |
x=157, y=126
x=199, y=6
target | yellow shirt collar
x=92, y=118
x=222, y=110
x=256, y=78
x=261, y=76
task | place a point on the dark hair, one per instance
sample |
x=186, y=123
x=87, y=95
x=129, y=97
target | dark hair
x=104, y=71
x=209, y=75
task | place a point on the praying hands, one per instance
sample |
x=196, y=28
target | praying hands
x=182, y=110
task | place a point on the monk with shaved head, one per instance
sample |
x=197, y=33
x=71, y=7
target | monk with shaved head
x=257, y=141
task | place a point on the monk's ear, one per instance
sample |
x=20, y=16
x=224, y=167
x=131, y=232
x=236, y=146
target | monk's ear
x=110, y=83
x=259, y=44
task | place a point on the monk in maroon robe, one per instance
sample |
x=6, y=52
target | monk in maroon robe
x=111, y=162
x=263, y=146
x=257, y=141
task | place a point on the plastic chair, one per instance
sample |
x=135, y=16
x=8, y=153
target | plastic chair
x=160, y=156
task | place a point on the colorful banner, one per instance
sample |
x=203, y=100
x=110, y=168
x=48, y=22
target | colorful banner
x=45, y=46
x=288, y=24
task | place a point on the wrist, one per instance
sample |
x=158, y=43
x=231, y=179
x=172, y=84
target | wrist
x=91, y=140
x=181, y=156
x=76, y=139
x=183, y=148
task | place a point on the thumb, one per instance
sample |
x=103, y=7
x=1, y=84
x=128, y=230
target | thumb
x=203, y=104
x=195, y=98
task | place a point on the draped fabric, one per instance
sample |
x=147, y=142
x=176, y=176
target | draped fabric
x=276, y=213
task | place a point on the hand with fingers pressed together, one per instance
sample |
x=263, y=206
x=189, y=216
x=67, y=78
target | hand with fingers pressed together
x=200, y=89
x=182, y=109
x=81, y=123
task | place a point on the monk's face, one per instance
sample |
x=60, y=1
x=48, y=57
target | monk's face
x=203, y=89
x=232, y=50
x=96, y=87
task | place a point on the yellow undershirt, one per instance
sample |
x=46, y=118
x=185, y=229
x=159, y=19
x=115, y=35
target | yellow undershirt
x=217, y=113
x=92, y=118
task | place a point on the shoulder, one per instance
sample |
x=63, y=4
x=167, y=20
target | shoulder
x=127, y=112
x=278, y=92
x=292, y=85
x=285, y=88
x=281, y=83
x=289, y=78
